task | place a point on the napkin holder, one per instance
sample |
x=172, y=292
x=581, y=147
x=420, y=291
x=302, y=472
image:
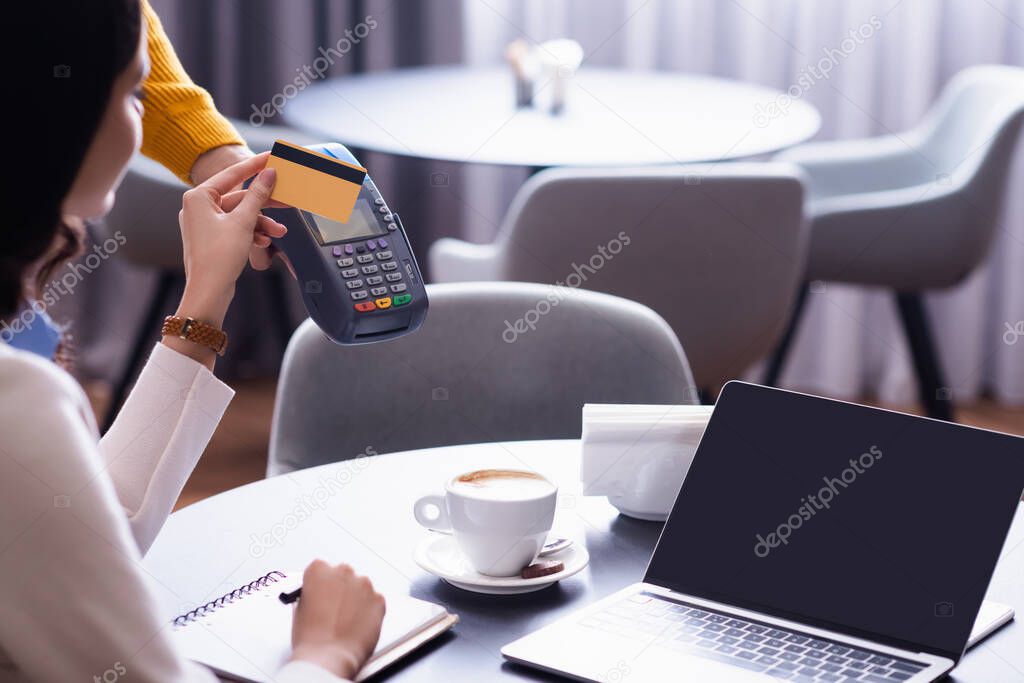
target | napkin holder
x=638, y=456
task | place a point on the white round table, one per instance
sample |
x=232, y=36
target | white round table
x=360, y=511
x=613, y=117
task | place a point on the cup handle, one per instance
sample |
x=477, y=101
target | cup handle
x=440, y=522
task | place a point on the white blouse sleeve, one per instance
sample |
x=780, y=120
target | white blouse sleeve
x=159, y=435
x=75, y=599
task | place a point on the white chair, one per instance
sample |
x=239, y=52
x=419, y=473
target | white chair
x=915, y=211
x=717, y=250
x=492, y=362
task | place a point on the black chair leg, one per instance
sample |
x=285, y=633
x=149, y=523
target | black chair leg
x=777, y=362
x=148, y=330
x=936, y=397
x=278, y=280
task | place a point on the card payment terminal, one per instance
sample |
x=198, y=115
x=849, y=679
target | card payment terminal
x=360, y=282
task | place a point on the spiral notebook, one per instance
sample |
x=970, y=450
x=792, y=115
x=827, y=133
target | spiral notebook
x=246, y=634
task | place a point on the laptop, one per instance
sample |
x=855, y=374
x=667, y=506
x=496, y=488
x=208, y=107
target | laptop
x=812, y=540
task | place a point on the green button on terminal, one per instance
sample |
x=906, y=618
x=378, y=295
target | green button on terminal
x=401, y=299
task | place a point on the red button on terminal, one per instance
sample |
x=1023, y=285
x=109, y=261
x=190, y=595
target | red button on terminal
x=365, y=306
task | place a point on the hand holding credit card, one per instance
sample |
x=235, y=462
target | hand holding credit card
x=350, y=255
x=315, y=182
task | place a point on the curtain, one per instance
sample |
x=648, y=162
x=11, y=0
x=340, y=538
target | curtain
x=850, y=342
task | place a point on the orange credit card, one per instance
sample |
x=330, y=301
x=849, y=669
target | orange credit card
x=315, y=182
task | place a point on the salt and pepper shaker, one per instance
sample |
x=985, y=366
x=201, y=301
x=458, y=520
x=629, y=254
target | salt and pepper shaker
x=556, y=61
x=561, y=59
x=524, y=69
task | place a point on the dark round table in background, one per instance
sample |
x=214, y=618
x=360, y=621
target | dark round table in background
x=360, y=511
x=612, y=117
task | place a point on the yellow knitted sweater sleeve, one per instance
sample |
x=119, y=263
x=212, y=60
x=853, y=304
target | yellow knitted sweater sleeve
x=180, y=120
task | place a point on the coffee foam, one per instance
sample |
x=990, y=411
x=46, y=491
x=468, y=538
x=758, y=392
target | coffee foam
x=502, y=484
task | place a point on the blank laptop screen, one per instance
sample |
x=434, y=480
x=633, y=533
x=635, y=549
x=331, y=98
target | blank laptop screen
x=860, y=520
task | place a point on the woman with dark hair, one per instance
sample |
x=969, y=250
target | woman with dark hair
x=76, y=511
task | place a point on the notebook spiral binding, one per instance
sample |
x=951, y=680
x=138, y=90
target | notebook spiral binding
x=227, y=598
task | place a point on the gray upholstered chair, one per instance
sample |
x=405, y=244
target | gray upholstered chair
x=146, y=213
x=915, y=211
x=492, y=362
x=717, y=250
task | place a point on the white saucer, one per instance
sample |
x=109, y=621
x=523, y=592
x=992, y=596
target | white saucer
x=440, y=555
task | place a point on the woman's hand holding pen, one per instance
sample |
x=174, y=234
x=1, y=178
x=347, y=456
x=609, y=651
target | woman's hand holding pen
x=338, y=619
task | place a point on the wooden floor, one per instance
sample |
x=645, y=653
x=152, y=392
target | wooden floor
x=238, y=452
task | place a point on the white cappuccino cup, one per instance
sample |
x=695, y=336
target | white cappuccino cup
x=500, y=518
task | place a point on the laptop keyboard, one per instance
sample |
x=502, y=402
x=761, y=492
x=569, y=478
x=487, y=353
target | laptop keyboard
x=786, y=655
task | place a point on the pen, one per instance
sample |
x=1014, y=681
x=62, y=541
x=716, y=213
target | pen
x=289, y=598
